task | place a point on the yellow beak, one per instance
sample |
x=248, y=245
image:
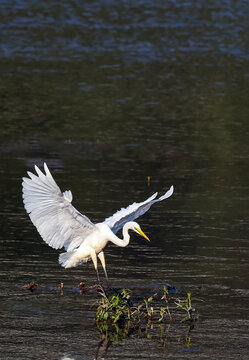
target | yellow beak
x=142, y=233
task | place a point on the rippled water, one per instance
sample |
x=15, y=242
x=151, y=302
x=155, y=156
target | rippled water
x=109, y=93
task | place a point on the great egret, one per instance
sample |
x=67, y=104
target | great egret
x=60, y=224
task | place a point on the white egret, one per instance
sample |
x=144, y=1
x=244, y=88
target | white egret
x=61, y=225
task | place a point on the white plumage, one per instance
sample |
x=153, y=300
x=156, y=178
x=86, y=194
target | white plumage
x=61, y=225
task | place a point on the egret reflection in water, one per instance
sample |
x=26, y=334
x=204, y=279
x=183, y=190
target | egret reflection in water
x=61, y=225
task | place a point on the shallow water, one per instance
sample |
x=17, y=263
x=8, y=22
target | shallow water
x=109, y=93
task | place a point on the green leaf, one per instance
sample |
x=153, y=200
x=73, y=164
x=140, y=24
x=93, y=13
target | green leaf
x=105, y=316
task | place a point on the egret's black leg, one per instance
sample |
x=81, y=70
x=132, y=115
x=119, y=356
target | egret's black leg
x=97, y=272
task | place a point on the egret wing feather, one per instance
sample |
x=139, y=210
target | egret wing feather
x=52, y=213
x=133, y=211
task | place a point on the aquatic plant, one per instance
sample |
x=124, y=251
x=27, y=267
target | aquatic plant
x=186, y=305
x=118, y=316
x=118, y=307
x=114, y=308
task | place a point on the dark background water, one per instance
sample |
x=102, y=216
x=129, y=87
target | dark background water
x=109, y=93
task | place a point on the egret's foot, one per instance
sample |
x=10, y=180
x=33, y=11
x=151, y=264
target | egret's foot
x=101, y=290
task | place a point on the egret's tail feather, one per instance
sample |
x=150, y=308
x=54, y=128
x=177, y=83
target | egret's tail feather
x=66, y=259
x=71, y=259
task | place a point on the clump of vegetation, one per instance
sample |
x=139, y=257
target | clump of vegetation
x=115, y=308
x=118, y=308
x=117, y=315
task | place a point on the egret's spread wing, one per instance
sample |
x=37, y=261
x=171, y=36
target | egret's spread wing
x=52, y=213
x=132, y=212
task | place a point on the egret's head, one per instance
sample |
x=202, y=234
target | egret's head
x=137, y=229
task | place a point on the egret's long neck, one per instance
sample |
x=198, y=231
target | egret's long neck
x=126, y=237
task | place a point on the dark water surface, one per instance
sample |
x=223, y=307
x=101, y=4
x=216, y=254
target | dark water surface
x=109, y=93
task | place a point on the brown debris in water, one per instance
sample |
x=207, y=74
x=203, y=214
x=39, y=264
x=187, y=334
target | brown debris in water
x=32, y=286
x=82, y=286
x=61, y=286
